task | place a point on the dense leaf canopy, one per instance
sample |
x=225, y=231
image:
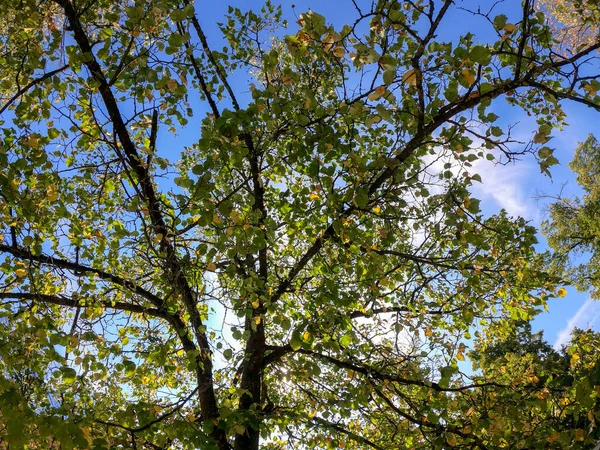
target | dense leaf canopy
x=295, y=262
x=575, y=21
x=573, y=230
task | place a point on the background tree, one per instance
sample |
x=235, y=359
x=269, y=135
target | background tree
x=303, y=264
x=575, y=22
x=573, y=230
x=556, y=386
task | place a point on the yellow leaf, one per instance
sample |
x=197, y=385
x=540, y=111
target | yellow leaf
x=172, y=84
x=468, y=76
x=590, y=90
x=306, y=336
x=328, y=42
x=377, y=93
x=257, y=320
x=255, y=304
x=180, y=352
x=451, y=439
x=158, y=238
x=410, y=77
x=554, y=437
x=32, y=141
x=376, y=209
x=510, y=28
x=20, y=272
x=51, y=194
x=212, y=267
x=338, y=52
x=579, y=434
x=313, y=196
x=87, y=434
x=217, y=219
x=562, y=292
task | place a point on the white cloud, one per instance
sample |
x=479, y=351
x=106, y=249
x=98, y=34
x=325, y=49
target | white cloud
x=505, y=185
x=585, y=317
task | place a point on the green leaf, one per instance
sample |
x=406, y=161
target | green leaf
x=545, y=152
x=68, y=374
x=130, y=367
x=500, y=21
x=295, y=341
x=481, y=55
x=389, y=76
x=346, y=340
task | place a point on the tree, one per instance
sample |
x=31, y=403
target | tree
x=556, y=386
x=575, y=22
x=290, y=267
x=573, y=229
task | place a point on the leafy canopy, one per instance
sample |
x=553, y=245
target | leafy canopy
x=575, y=22
x=573, y=230
x=191, y=262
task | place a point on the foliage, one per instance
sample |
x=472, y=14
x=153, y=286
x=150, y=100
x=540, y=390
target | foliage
x=301, y=263
x=573, y=230
x=576, y=22
x=554, y=394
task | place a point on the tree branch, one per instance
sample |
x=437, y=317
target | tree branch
x=350, y=434
x=173, y=269
x=78, y=269
x=31, y=84
x=71, y=303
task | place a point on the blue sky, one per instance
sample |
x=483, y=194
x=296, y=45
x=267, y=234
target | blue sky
x=519, y=188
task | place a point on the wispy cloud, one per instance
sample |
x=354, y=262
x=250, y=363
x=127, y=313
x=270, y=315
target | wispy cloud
x=503, y=186
x=585, y=317
x=507, y=187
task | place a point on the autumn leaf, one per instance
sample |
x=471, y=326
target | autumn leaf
x=410, y=77
x=468, y=76
x=339, y=52
x=377, y=93
x=451, y=439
